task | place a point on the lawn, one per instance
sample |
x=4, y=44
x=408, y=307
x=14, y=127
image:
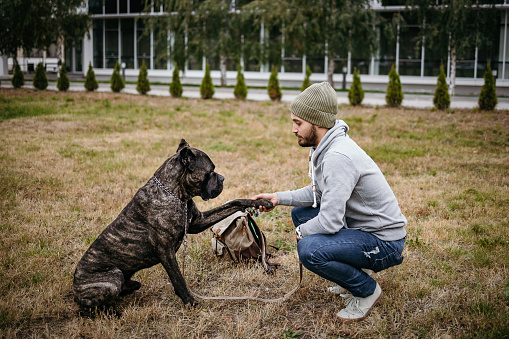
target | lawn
x=71, y=161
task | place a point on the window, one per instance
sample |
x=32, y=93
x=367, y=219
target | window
x=98, y=61
x=111, y=43
x=142, y=44
x=110, y=6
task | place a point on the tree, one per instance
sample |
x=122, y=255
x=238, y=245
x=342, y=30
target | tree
x=488, y=97
x=40, y=80
x=90, y=82
x=28, y=24
x=441, y=100
x=306, y=83
x=456, y=28
x=116, y=81
x=176, y=86
x=18, y=79
x=356, y=93
x=394, y=95
x=207, y=88
x=240, y=90
x=63, y=81
x=143, y=84
x=273, y=87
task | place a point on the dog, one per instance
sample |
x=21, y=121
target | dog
x=151, y=228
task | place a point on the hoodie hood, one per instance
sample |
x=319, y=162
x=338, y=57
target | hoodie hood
x=339, y=129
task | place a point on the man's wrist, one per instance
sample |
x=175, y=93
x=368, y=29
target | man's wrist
x=298, y=233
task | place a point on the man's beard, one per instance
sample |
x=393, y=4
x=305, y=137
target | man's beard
x=310, y=139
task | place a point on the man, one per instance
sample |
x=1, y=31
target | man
x=348, y=222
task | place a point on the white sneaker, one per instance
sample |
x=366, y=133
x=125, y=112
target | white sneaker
x=336, y=289
x=358, y=308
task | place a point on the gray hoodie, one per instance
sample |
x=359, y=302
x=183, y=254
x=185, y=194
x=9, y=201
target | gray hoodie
x=350, y=188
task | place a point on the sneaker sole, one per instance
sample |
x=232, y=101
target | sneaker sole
x=345, y=321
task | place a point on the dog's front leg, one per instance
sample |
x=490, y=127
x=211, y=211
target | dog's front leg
x=169, y=261
x=203, y=220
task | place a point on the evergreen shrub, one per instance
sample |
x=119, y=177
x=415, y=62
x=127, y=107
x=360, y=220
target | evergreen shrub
x=116, y=81
x=90, y=82
x=441, y=99
x=63, y=81
x=273, y=87
x=40, y=80
x=143, y=84
x=18, y=79
x=207, y=87
x=394, y=95
x=240, y=90
x=488, y=96
x=356, y=93
x=306, y=83
x=175, y=86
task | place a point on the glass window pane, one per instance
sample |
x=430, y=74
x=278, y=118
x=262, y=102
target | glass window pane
x=111, y=42
x=98, y=61
x=136, y=6
x=95, y=7
x=110, y=6
x=127, y=30
x=122, y=6
x=143, y=44
x=79, y=55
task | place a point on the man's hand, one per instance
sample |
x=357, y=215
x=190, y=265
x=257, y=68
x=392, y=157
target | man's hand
x=272, y=197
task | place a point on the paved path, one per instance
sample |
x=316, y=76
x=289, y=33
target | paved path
x=372, y=99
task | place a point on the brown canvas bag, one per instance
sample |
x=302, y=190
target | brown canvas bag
x=239, y=238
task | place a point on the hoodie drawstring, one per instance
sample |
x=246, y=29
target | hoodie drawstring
x=312, y=176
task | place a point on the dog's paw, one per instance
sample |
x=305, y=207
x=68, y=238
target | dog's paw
x=262, y=202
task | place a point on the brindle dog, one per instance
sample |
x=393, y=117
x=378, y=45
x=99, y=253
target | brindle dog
x=150, y=229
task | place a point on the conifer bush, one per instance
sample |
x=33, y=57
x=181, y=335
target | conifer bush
x=116, y=81
x=175, y=86
x=40, y=80
x=63, y=81
x=441, y=99
x=306, y=83
x=356, y=93
x=273, y=86
x=143, y=84
x=240, y=90
x=18, y=79
x=207, y=88
x=488, y=96
x=90, y=82
x=394, y=95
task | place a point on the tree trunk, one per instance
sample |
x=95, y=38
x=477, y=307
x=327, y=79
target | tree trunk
x=453, y=71
x=222, y=66
x=330, y=72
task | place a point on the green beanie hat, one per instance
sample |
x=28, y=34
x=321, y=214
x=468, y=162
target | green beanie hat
x=318, y=105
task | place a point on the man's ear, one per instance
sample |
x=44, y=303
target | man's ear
x=187, y=158
x=182, y=144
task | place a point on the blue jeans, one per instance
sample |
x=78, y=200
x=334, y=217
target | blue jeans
x=339, y=257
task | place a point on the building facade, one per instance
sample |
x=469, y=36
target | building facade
x=118, y=34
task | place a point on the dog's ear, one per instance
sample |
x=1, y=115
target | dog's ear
x=187, y=158
x=182, y=144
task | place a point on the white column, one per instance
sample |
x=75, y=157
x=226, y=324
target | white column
x=349, y=63
x=326, y=61
x=262, y=39
x=304, y=62
x=283, y=50
x=88, y=51
x=168, y=41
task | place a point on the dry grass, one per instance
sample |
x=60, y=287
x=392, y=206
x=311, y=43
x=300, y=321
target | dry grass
x=71, y=161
